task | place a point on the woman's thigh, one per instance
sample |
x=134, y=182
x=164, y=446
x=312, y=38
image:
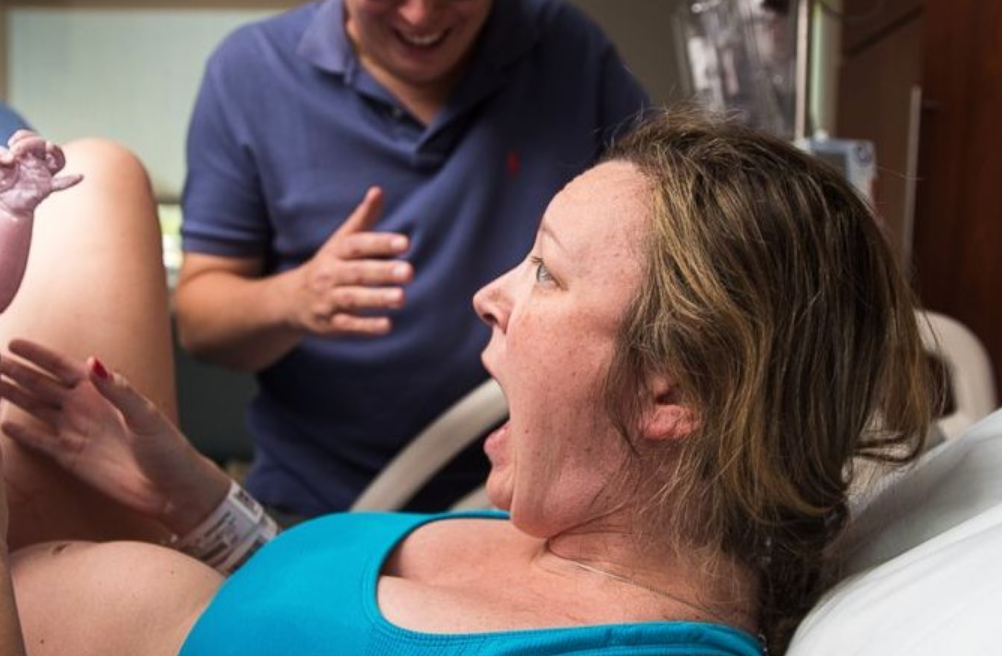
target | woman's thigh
x=95, y=285
x=108, y=598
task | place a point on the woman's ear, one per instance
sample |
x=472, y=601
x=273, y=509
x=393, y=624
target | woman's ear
x=667, y=416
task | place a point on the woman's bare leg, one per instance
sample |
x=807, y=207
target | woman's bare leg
x=95, y=285
x=108, y=598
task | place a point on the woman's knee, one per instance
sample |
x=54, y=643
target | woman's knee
x=103, y=157
x=113, y=207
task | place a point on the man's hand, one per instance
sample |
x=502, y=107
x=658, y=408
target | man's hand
x=353, y=279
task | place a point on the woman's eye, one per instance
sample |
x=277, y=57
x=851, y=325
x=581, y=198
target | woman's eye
x=542, y=273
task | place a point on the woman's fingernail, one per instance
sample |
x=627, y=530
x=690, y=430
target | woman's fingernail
x=99, y=370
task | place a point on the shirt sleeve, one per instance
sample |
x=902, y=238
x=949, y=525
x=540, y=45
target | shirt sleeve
x=10, y=122
x=224, y=211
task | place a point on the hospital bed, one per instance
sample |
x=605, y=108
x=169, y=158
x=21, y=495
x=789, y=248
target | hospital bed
x=922, y=571
x=922, y=558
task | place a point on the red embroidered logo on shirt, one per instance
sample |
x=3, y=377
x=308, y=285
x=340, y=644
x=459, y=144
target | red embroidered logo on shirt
x=513, y=163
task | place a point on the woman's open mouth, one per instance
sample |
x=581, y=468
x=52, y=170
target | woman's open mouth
x=495, y=439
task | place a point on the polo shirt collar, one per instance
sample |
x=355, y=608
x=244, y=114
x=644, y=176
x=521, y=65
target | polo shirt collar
x=325, y=43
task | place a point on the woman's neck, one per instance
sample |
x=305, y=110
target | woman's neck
x=698, y=586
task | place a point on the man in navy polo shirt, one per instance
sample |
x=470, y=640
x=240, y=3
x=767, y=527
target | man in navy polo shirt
x=356, y=170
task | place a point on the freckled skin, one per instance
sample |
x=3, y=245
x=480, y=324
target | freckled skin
x=28, y=168
x=554, y=329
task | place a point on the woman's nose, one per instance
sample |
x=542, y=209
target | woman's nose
x=492, y=303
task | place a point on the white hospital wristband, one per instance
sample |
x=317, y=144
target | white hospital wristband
x=231, y=534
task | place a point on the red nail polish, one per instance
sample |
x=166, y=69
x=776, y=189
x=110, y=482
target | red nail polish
x=99, y=370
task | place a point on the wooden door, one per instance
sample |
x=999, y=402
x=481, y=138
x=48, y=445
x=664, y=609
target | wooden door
x=958, y=211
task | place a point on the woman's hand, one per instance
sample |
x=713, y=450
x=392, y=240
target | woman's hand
x=4, y=516
x=97, y=427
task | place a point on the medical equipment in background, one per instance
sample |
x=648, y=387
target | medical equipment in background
x=741, y=56
x=856, y=159
x=753, y=58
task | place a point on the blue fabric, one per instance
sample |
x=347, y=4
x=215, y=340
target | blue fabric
x=288, y=133
x=10, y=122
x=312, y=590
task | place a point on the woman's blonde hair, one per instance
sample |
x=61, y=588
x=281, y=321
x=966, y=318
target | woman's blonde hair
x=774, y=303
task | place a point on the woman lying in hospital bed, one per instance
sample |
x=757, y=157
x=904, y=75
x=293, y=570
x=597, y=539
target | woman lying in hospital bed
x=695, y=348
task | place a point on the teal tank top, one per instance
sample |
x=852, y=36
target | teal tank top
x=312, y=591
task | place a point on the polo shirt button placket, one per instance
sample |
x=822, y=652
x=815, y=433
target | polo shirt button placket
x=404, y=129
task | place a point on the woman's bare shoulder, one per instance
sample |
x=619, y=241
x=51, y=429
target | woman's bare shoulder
x=115, y=597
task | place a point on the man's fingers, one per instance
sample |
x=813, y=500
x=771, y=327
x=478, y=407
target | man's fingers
x=355, y=299
x=351, y=309
x=363, y=245
x=351, y=324
x=364, y=215
x=355, y=238
x=372, y=273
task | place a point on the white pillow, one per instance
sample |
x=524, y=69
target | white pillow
x=925, y=560
x=943, y=597
x=947, y=486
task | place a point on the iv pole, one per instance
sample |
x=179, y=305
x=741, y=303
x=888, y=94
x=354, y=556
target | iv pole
x=802, y=128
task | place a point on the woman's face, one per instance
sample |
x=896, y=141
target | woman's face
x=414, y=43
x=554, y=320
